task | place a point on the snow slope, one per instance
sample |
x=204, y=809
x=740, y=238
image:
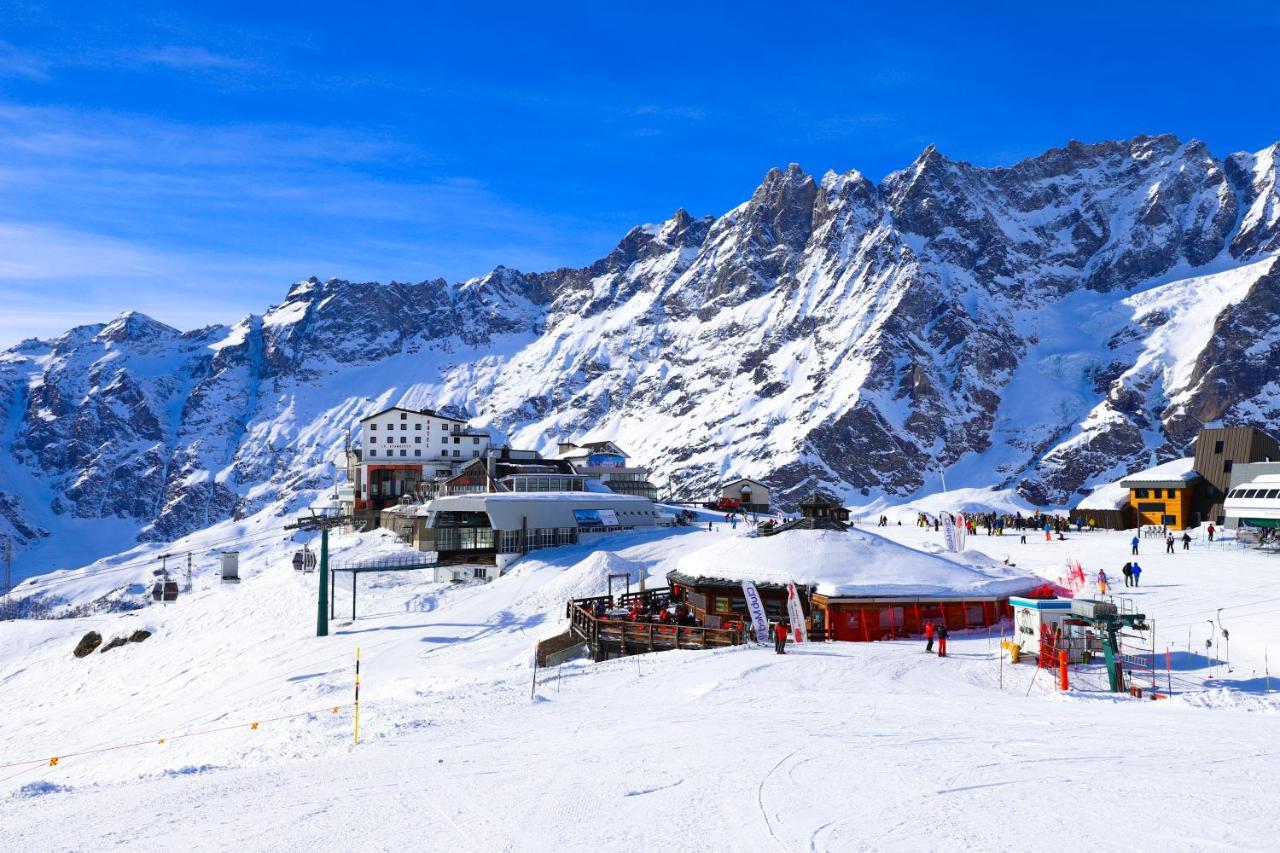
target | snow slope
x=832, y=747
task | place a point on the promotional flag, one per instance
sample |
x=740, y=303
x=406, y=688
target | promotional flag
x=756, y=608
x=960, y=532
x=949, y=533
x=799, y=631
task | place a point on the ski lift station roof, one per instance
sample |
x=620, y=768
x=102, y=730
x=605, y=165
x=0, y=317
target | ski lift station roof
x=853, y=564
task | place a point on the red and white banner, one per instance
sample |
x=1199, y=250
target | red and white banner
x=799, y=631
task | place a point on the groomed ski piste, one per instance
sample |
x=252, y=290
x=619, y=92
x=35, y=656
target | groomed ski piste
x=832, y=747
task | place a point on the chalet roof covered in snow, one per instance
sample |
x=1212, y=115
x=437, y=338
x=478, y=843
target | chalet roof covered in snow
x=854, y=564
x=1173, y=475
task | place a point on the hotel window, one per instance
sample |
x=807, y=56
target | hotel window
x=373, y=426
x=475, y=440
x=1140, y=493
x=404, y=426
x=444, y=426
x=475, y=454
x=373, y=452
x=373, y=439
x=417, y=439
x=417, y=426
x=417, y=453
x=1226, y=466
x=403, y=453
x=457, y=453
x=404, y=416
x=1217, y=447
x=402, y=439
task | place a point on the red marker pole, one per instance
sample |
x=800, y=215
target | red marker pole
x=1062, y=670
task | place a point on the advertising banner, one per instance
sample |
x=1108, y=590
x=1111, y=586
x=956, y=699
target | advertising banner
x=589, y=518
x=755, y=607
x=960, y=532
x=799, y=631
x=949, y=532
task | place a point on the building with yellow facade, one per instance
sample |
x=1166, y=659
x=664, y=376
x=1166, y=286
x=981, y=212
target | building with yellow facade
x=1164, y=495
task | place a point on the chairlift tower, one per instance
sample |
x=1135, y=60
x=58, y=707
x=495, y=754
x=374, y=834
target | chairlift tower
x=322, y=523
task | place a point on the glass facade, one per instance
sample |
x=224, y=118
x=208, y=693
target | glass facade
x=545, y=483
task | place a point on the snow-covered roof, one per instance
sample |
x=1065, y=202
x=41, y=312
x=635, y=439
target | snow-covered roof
x=1174, y=471
x=854, y=563
x=743, y=480
x=428, y=412
x=1111, y=496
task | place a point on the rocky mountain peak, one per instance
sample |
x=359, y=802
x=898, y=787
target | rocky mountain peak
x=1044, y=324
x=136, y=327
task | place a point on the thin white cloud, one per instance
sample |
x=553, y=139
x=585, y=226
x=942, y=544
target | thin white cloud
x=16, y=62
x=193, y=58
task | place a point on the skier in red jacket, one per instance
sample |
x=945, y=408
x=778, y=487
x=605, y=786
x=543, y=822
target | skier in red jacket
x=780, y=638
x=928, y=637
x=942, y=640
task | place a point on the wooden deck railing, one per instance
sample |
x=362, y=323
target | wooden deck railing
x=632, y=637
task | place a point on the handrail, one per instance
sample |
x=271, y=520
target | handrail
x=653, y=634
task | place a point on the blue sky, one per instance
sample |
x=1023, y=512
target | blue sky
x=191, y=162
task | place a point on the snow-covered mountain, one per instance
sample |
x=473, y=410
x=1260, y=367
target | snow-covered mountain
x=1039, y=327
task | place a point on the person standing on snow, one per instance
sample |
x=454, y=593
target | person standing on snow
x=1211, y=528
x=942, y=640
x=1137, y=572
x=1168, y=543
x=1186, y=541
x=1134, y=545
x=780, y=637
x=1102, y=580
x=1127, y=571
x=929, y=631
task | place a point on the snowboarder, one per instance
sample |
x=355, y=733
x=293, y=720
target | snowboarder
x=1186, y=541
x=780, y=637
x=929, y=631
x=942, y=640
x=1211, y=528
x=1128, y=574
x=1134, y=545
x=1137, y=572
x=1168, y=543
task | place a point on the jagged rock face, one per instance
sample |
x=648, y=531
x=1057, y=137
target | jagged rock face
x=1040, y=326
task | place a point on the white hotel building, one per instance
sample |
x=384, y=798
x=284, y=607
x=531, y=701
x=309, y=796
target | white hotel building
x=401, y=448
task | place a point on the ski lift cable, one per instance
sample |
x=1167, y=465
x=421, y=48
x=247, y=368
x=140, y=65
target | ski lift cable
x=137, y=564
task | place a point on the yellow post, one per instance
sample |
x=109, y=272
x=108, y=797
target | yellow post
x=357, y=706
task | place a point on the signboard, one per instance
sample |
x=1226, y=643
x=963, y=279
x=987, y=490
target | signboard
x=799, y=631
x=589, y=518
x=756, y=608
